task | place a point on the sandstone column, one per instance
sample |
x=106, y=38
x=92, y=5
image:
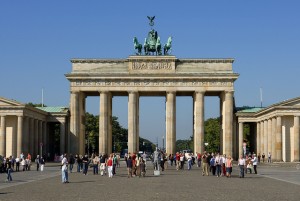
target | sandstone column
x=132, y=121
x=109, y=133
x=36, y=138
x=199, y=122
x=40, y=138
x=62, y=137
x=269, y=136
x=296, y=138
x=31, y=136
x=266, y=138
x=74, y=122
x=25, y=144
x=19, y=136
x=3, y=136
x=273, y=152
x=241, y=138
x=45, y=143
x=81, y=122
x=278, y=139
x=171, y=122
x=228, y=123
x=258, y=138
x=262, y=138
x=103, y=123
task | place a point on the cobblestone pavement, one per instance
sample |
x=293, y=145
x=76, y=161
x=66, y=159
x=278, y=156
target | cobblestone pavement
x=272, y=183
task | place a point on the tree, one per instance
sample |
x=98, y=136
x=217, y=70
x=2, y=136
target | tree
x=35, y=104
x=212, y=134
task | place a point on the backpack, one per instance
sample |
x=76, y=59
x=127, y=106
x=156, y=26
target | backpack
x=212, y=162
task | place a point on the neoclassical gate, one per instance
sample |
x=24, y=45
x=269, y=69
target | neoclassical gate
x=138, y=76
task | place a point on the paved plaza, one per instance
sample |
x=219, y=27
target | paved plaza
x=274, y=182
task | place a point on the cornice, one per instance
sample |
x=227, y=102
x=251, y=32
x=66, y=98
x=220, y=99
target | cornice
x=98, y=60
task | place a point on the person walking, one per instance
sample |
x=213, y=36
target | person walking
x=71, y=162
x=218, y=163
x=37, y=162
x=241, y=164
x=205, y=161
x=42, y=163
x=228, y=166
x=110, y=166
x=8, y=167
x=263, y=157
x=269, y=157
x=85, y=161
x=103, y=164
x=17, y=164
x=95, y=164
x=64, y=170
x=129, y=166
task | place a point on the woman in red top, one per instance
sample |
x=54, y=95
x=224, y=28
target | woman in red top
x=110, y=165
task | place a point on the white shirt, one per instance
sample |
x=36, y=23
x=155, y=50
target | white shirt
x=254, y=160
x=64, y=162
x=241, y=161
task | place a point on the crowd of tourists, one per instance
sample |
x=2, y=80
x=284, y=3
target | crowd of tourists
x=20, y=163
x=213, y=164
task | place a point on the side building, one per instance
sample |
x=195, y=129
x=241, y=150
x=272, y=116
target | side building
x=274, y=130
x=35, y=130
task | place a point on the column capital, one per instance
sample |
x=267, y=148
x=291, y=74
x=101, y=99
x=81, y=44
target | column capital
x=171, y=92
x=200, y=92
x=74, y=92
x=229, y=92
x=133, y=92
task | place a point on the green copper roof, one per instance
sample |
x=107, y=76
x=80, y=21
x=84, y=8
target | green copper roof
x=54, y=109
x=249, y=109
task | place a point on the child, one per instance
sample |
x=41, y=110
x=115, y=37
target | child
x=142, y=168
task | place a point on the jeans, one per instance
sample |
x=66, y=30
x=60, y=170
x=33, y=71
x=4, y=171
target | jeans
x=71, y=167
x=85, y=168
x=9, y=178
x=64, y=176
x=242, y=171
x=218, y=170
x=95, y=168
x=189, y=164
x=78, y=167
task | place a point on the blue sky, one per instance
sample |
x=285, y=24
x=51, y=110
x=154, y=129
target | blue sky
x=38, y=38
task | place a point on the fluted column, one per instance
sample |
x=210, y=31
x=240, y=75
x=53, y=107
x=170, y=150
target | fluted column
x=198, y=122
x=40, y=142
x=19, y=135
x=62, y=137
x=228, y=122
x=269, y=135
x=296, y=138
x=3, y=136
x=132, y=121
x=74, y=122
x=273, y=150
x=241, y=136
x=31, y=136
x=262, y=138
x=103, y=122
x=36, y=137
x=266, y=137
x=25, y=144
x=109, y=134
x=278, y=139
x=171, y=122
x=258, y=138
x=45, y=143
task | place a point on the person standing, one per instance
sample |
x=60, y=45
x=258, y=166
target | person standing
x=258, y=157
x=8, y=167
x=102, y=164
x=64, y=169
x=23, y=163
x=37, y=162
x=177, y=161
x=254, y=161
x=17, y=164
x=269, y=157
x=228, y=166
x=42, y=163
x=110, y=166
x=95, y=164
x=71, y=162
x=85, y=162
x=241, y=164
x=263, y=157
x=129, y=166
x=205, y=161
x=218, y=163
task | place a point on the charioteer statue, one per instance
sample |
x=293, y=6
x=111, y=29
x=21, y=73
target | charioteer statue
x=152, y=45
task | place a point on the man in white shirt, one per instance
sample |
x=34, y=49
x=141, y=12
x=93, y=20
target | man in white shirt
x=254, y=161
x=241, y=164
x=64, y=169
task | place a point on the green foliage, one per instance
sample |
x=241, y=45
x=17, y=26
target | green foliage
x=212, y=131
x=119, y=135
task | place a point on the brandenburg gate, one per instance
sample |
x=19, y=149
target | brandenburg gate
x=149, y=75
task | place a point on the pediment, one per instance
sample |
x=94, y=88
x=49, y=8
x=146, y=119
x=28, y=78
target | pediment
x=291, y=102
x=8, y=102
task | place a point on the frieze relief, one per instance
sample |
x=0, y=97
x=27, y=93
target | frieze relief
x=150, y=83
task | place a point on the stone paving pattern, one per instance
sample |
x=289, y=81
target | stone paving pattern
x=171, y=185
